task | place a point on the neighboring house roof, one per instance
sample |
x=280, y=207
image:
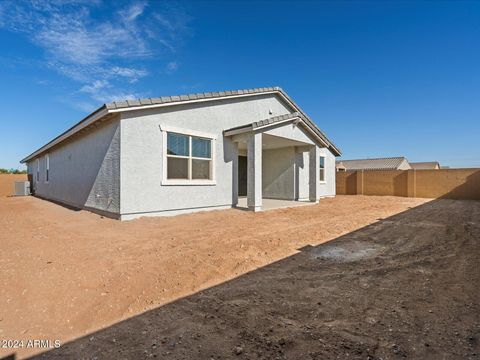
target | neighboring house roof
x=392, y=163
x=430, y=165
x=339, y=165
x=107, y=110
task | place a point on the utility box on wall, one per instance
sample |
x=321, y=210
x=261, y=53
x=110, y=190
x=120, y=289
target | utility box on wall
x=22, y=188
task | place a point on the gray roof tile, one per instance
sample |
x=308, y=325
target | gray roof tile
x=146, y=101
x=121, y=104
x=275, y=119
x=133, y=102
x=167, y=99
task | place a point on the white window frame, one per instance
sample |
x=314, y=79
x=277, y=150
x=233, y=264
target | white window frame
x=186, y=182
x=47, y=168
x=324, y=169
x=37, y=177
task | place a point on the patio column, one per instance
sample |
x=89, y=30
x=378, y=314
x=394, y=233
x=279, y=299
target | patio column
x=235, y=174
x=314, y=169
x=254, y=171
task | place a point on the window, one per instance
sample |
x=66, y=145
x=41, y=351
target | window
x=322, y=169
x=188, y=157
x=38, y=170
x=47, y=168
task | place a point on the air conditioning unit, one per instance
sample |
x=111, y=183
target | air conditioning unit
x=22, y=188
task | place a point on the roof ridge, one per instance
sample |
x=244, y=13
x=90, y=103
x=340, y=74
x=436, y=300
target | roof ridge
x=185, y=97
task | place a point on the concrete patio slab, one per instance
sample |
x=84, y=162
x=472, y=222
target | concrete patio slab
x=272, y=204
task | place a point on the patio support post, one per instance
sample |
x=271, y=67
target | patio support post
x=314, y=169
x=254, y=172
x=235, y=174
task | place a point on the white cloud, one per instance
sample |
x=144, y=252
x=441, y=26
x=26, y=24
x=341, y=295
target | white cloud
x=132, y=74
x=98, y=52
x=110, y=97
x=171, y=67
x=134, y=11
x=95, y=86
x=101, y=91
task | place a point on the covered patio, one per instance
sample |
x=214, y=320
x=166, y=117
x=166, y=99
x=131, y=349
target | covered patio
x=277, y=163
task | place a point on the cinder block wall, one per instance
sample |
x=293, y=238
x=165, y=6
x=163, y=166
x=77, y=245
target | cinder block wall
x=346, y=183
x=444, y=183
x=451, y=183
x=385, y=183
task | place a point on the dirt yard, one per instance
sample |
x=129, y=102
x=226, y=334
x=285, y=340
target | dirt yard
x=399, y=280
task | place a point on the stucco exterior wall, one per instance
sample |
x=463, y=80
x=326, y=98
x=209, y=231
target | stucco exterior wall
x=141, y=152
x=291, y=131
x=302, y=173
x=278, y=173
x=85, y=171
x=327, y=188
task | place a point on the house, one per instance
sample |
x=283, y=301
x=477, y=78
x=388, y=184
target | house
x=178, y=154
x=340, y=166
x=391, y=163
x=431, y=165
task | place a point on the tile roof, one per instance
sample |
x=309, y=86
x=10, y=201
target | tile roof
x=279, y=118
x=391, y=163
x=119, y=106
x=189, y=97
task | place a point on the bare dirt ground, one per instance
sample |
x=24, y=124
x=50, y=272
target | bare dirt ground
x=399, y=280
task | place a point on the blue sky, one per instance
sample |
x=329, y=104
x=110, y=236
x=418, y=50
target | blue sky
x=380, y=78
